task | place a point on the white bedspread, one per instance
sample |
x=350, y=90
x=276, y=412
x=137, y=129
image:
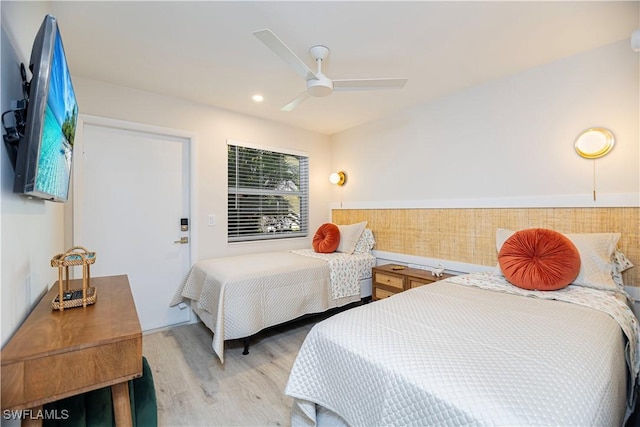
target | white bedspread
x=239, y=296
x=455, y=354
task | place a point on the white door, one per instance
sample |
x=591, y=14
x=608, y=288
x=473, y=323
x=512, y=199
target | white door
x=131, y=193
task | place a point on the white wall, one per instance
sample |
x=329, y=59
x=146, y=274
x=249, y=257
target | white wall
x=511, y=138
x=509, y=141
x=31, y=230
x=212, y=127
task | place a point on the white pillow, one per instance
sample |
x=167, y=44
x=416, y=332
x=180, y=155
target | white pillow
x=595, y=251
x=349, y=235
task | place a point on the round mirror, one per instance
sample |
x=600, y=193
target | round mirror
x=594, y=143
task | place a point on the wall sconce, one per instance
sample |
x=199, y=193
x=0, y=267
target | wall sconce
x=635, y=40
x=594, y=143
x=338, y=178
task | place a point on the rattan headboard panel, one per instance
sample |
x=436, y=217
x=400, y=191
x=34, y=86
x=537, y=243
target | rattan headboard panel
x=468, y=235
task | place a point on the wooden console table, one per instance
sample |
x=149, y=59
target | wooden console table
x=57, y=354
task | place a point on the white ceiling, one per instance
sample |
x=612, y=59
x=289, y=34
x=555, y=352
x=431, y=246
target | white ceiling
x=206, y=52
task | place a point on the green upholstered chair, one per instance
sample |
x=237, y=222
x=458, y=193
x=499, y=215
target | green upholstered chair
x=95, y=409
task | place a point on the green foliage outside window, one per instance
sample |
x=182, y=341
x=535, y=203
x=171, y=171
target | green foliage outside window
x=267, y=194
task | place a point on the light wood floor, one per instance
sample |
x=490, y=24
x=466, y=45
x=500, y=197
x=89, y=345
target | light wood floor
x=194, y=389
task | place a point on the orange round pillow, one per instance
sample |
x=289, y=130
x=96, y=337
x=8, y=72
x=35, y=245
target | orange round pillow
x=539, y=259
x=326, y=239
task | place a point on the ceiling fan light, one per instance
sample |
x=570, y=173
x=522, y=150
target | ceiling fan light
x=319, y=87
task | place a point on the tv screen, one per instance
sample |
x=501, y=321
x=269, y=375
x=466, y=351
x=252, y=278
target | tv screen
x=43, y=163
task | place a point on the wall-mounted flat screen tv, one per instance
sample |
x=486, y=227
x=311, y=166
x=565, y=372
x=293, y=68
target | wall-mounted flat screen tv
x=45, y=151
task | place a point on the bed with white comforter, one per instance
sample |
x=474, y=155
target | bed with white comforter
x=471, y=350
x=236, y=297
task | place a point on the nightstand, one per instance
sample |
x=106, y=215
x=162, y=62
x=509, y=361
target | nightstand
x=387, y=282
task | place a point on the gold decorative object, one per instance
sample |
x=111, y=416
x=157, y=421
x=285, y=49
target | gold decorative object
x=75, y=256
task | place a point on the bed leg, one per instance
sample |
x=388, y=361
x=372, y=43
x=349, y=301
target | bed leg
x=246, y=346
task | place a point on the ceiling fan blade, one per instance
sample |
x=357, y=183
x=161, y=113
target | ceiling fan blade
x=369, y=84
x=272, y=41
x=297, y=101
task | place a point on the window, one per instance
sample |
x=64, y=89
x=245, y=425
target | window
x=268, y=195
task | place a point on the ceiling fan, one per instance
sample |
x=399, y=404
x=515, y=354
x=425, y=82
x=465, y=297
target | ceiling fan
x=317, y=83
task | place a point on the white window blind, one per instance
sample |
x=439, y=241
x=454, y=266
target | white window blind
x=268, y=194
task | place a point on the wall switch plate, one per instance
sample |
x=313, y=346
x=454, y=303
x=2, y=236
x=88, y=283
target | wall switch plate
x=212, y=220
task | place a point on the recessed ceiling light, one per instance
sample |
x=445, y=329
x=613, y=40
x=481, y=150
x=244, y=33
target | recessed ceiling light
x=257, y=98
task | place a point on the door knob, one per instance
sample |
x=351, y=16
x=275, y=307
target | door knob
x=183, y=240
